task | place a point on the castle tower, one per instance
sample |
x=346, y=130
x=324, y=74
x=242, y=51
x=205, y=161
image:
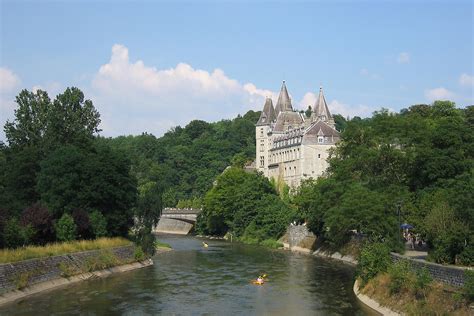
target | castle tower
x=321, y=110
x=263, y=127
x=284, y=101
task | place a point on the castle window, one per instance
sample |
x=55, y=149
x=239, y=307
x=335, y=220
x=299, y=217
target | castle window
x=261, y=132
x=262, y=161
x=320, y=139
x=319, y=155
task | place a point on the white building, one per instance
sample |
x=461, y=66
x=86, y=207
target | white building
x=290, y=146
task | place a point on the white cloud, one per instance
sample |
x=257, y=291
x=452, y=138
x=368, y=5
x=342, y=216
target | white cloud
x=439, y=94
x=466, y=80
x=8, y=80
x=162, y=98
x=9, y=83
x=366, y=73
x=403, y=58
x=53, y=89
x=345, y=110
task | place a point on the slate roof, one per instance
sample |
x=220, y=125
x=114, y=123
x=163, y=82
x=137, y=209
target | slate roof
x=321, y=128
x=284, y=101
x=320, y=108
x=268, y=113
x=286, y=119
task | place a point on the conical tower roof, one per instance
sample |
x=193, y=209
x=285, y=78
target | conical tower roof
x=268, y=113
x=284, y=101
x=320, y=109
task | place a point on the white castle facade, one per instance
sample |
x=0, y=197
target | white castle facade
x=290, y=146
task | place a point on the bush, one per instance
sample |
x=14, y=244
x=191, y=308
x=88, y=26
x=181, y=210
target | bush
x=400, y=276
x=16, y=235
x=83, y=224
x=98, y=224
x=39, y=218
x=3, y=220
x=468, y=288
x=139, y=254
x=65, y=228
x=423, y=280
x=271, y=243
x=374, y=258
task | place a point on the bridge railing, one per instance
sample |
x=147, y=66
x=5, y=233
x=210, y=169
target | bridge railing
x=174, y=210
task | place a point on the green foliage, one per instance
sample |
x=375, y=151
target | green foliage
x=400, y=276
x=98, y=223
x=245, y=204
x=185, y=161
x=446, y=233
x=271, y=243
x=423, y=280
x=374, y=259
x=468, y=288
x=139, y=254
x=16, y=235
x=90, y=178
x=422, y=157
x=65, y=228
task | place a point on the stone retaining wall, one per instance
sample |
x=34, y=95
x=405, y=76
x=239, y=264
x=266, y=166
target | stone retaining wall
x=298, y=238
x=447, y=274
x=20, y=274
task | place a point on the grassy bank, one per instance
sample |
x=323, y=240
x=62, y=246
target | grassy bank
x=55, y=249
x=269, y=243
x=159, y=244
x=410, y=298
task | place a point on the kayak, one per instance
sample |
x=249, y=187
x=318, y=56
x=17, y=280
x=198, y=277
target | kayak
x=258, y=282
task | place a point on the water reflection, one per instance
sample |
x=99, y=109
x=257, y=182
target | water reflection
x=192, y=280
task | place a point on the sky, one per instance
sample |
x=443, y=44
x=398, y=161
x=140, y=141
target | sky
x=149, y=66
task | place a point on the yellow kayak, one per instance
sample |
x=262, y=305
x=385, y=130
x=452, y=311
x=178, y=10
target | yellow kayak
x=205, y=245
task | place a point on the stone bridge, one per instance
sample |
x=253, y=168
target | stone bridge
x=177, y=220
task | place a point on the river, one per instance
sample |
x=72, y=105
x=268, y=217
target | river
x=193, y=280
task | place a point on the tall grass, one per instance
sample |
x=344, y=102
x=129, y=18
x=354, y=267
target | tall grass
x=55, y=249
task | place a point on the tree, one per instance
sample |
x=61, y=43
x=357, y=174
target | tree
x=83, y=224
x=16, y=235
x=71, y=120
x=89, y=178
x=40, y=220
x=31, y=119
x=98, y=224
x=308, y=111
x=65, y=228
x=245, y=204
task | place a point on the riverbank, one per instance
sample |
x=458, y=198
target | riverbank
x=63, y=281
x=26, y=277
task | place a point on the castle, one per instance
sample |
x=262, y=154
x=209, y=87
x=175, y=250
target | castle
x=291, y=146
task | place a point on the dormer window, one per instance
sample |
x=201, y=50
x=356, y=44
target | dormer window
x=320, y=139
x=323, y=117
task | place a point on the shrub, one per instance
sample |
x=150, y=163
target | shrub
x=83, y=224
x=16, y=235
x=400, y=276
x=374, y=258
x=468, y=288
x=65, y=228
x=98, y=224
x=271, y=243
x=423, y=280
x=139, y=254
x=3, y=220
x=39, y=218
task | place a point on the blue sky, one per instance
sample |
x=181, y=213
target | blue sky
x=148, y=66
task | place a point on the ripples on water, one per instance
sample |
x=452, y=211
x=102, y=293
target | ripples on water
x=192, y=280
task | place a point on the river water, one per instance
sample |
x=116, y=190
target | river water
x=192, y=280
